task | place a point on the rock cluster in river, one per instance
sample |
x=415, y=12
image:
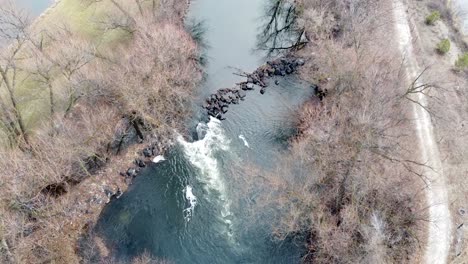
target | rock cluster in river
x=217, y=104
x=145, y=155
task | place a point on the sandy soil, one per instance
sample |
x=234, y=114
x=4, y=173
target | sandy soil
x=443, y=135
x=436, y=191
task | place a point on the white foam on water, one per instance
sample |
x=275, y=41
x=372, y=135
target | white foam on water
x=158, y=159
x=201, y=154
x=202, y=129
x=192, y=201
x=244, y=140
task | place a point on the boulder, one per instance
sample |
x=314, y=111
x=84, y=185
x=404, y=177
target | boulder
x=262, y=91
x=242, y=94
x=132, y=172
x=271, y=70
x=212, y=113
x=250, y=86
x=140, y=163
x=108, y=192
x=232, y=96
x=148, y=152
x=225, y=98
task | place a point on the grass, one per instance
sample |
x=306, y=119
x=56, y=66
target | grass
x=79, y=18
x=443, y=47
x=462, y=61
x=82, y=21
x=432, y=18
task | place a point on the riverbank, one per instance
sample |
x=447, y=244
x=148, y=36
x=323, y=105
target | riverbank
x=58, y=178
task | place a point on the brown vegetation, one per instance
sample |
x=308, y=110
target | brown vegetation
x=364, y=185
x=87, y=96
x=351, y=183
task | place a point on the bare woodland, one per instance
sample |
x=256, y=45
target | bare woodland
x=67, y=99
x=350, y=182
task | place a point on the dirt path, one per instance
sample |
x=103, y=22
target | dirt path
x=439, y=233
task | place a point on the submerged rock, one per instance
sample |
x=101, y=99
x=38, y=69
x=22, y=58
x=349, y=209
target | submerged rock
x=242, y=94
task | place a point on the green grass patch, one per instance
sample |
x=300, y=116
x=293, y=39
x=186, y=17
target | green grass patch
x=85, y=21
x=462, y=61
x=432, y=18
x=443, y=47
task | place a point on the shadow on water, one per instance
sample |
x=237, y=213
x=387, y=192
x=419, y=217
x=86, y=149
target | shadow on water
x=187, y=209
x=280, y=31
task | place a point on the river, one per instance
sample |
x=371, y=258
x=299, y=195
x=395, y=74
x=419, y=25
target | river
x=35, y=7
x=191, y=207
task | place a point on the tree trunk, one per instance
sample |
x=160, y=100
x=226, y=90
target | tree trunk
x=16, y=111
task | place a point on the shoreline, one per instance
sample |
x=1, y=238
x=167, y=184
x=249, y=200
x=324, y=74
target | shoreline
x=74, y=212
x=46, y=12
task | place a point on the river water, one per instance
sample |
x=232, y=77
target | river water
x=191, y=207
x=35, y=7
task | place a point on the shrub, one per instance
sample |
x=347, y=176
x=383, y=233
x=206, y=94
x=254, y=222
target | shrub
x=444, y=46
x=433, y=18
x=462, y=61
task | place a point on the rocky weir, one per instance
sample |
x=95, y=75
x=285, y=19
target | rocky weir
x=217, y=104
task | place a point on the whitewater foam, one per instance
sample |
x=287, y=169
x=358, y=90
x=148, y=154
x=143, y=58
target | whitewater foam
x=201, y=154
x=158, y=159
x=192, y=202
x=244, y=140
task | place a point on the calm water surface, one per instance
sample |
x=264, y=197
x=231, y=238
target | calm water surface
x=35, y=7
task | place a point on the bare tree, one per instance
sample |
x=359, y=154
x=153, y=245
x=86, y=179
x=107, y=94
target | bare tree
x=13, y=24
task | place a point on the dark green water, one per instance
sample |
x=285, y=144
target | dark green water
x=193, y=207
